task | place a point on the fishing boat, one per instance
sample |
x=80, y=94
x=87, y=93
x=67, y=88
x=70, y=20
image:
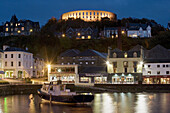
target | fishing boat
x=57, y=92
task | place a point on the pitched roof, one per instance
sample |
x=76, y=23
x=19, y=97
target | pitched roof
x=136, y=26
x=158, y=52
x=91, y=52
x=70, y=53
x=137, y=48
x=14, y=49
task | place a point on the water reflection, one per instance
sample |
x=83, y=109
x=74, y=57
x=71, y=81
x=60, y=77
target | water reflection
x=103, y=103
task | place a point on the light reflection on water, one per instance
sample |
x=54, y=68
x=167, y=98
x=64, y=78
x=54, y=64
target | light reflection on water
x=103, y=103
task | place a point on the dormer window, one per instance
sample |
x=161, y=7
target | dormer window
x=125, y=55
x=114, y=55
x=134, y=54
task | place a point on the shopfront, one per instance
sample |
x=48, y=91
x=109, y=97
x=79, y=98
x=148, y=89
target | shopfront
x=156, y=79
x=119, y=78
x=93, y=78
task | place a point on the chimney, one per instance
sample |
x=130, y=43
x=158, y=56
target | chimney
x=5, y=47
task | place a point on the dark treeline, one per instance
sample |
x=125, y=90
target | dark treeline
x=47, y=45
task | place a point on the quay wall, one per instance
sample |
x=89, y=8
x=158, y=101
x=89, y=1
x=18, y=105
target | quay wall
x=18, y=89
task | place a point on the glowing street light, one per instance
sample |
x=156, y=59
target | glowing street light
x=107, y=62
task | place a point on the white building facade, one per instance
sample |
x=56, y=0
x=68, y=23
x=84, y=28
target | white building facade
x=17, y=63
x=156, y=73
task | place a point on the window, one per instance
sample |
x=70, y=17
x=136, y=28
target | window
x=6, y=24
x=114, y=64
x=135, y=69
x=6, y=29
x=62, y=57
x=73, y=57
x=135, y=64
x=86, y=62
x=166, y=65
x=11, y=63
x=167, y=72
x=158, y=66
x=114, y=55
x=158, y=72
x=125, y=64
x=163, y=65
x=81, y=63
x=86, y=13
x=11, y=55
x=22, y=28
x=19, y=55
x=12, y=29
x=68, y=63
x=5, y=55
x=62, y=63
x=5, y=63
x=125, y=70
x=74, y=63
x=19, y=63
x=125, y=55
x=149, y=65
x=149, y=72
x=92, y=62
x=134, y=54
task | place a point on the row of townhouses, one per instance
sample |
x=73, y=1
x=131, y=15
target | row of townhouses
x=133, y=30
x=135, y=66
x=18, y=63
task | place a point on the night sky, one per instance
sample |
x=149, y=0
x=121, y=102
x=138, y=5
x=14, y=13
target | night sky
x=42, y=10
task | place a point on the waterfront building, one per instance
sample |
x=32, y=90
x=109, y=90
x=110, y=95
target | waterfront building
x=66, y=73
x=81, y=33
x=136, y=30
x=156, y=68
x=38, y=67
x=89, y=15
x=1, y=64
x=17, y=62
x=20, y=27
x=92, y=66
x=125, y=67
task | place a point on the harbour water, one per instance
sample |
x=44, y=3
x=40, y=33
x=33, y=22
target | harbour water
x=103, y=103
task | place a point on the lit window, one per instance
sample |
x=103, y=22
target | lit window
x=12, y=29
x=6, y=24
x=81, y=63
x=123, y=32
x=16, y=25
x=92, y=62
x=19, y=31
x=125, y=55
x=19, y=24
x=135, y=54
x=63, y=35
x=89, y=37
x=31, y=30
x=114, y=55
x=73, y=63
x=6, y=29
x=22, y=28
x=86, y=62
x=83, y=37
x=62, y=63
x=11, y=24
x=68, y=63
x=78, y=34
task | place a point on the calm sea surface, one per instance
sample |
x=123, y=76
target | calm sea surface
x=103, y=103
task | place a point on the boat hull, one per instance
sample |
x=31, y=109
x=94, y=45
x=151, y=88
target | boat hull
x=67, y=98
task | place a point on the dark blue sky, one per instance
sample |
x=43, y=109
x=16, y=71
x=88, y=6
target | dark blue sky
x=42, y=10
